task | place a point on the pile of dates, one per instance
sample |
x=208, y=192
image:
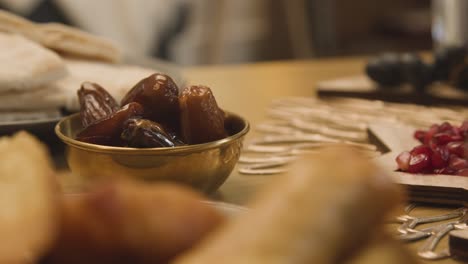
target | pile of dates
x=152, y=114
x=393, y=69
x=443, y=150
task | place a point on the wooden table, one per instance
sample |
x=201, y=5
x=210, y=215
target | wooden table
x=248, y=91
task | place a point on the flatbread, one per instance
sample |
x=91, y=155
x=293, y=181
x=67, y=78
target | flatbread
x=61, y=38
x=11, y=23
x=10, y=117
x=47, y=97
x=73, y=42
x=117, y=79
x=27, y=65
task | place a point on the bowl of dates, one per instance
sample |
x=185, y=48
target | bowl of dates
x=157, y=132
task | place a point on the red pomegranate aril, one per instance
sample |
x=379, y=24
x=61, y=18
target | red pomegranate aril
x=457, y=163
x=457, y=148
x=421, y=149
x=456, y=131
x=430, y=133
x=462, y=172
x=403, y=160
x=464, y=128
x=419, y=135
x=419, y=163
x=445, y=170
x=445, y=127
x=442, y=138
x=444, y=150
x=456, y=138
x=440, y=158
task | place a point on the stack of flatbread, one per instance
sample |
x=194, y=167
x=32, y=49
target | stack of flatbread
x=43, y=65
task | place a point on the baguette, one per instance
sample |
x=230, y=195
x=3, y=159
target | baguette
x=136, y=222
x=322, y=212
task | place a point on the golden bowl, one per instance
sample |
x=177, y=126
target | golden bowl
x=202, y=166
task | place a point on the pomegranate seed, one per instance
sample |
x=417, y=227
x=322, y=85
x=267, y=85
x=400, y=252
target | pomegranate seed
x=419, y=163
x=403, y=160
x=456, y=131
x=440, y=158
x=430, y=133
x=445, y=127
x=464, y=129
x=442, y=138
x=456, y=137
x=457, y=163
x=445, y=170
x=443, y=151
x=456, y=148
x=419, y=135
x=421, y=149
x=462, y=172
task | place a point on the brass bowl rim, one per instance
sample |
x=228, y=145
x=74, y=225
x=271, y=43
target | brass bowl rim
x=150, y=151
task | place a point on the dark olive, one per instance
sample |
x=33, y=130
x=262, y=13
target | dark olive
x=385, y=70
x=461, y=79
x=445, y=59
x=415, y=72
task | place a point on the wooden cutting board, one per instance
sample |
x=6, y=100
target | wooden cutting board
x=441, y=189
x=362, y=87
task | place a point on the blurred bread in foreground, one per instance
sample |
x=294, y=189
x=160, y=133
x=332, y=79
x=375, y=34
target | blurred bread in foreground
x=26, y=65
x=28, y=200
x=321, y=212
x=131, y=222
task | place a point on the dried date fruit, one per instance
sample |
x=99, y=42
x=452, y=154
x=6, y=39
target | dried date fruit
x=144, y=133
x=107, y=131
x=159, y=96
x=201, y=118
x=95, y=103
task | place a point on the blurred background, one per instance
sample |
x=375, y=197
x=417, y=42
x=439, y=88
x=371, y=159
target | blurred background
x=193, y=32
